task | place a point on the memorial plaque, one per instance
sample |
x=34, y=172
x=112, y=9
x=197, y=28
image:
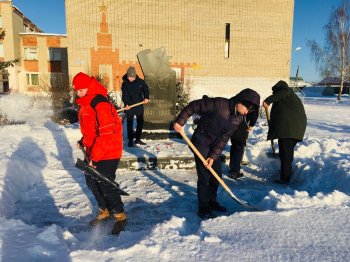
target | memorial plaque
x=161, y=80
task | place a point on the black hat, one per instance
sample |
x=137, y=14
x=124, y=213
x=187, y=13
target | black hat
x=247, y=104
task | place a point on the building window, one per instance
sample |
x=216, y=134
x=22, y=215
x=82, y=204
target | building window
x=30, y=54
x=55, y=54
x=227, y=40
x=25, y=28
x=32, y=79
x=1, y=50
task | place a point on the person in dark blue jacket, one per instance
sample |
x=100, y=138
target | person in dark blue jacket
x=134, y=90
x=220, y=118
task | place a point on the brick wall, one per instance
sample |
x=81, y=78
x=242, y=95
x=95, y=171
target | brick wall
x=193, y=34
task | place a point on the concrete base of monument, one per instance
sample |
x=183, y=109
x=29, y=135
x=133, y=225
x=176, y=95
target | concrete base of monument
x=159, y=134
x=160, y=154
x=144, y=163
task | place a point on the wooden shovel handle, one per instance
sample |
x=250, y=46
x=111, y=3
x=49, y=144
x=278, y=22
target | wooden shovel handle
x=267, y=112
x=124, y=108
x=268, y=121
x=212, y=171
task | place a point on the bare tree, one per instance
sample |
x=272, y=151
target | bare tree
x=58, y=88
x=333, y=58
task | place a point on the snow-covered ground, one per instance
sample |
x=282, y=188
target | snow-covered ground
x=45, y=205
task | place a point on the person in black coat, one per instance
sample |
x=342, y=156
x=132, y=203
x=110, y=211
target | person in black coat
x=134, y=90
x=239, y=141
x=287, y=124
x=220, y=117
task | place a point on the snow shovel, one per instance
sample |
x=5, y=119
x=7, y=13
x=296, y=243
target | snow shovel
x=274, y=154
x=212, y=171
x=84, y=166
x=124, y=108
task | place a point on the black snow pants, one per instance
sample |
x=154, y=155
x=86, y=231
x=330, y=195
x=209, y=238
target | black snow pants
x=207, y=184
x=139, y=126
x=286, y=154
x=105, y=194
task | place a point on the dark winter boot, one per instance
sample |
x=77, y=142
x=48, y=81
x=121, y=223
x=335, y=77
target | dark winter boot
x=215, y=206
x=140, y=142
x=119, y=224
x=244, y=162
x=235, y=175
x=282, y=182
x=103, y=215
x=205, y=213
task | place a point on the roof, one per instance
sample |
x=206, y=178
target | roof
x=43, y=34
x=331, y=80
x=20, y=13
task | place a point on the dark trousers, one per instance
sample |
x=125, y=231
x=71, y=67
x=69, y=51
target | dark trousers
x=207, y=184
x=286, y=154
x=105, y=194
x=139, y=126
x=236, y=155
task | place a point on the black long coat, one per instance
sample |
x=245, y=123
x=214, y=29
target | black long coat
x=218, y=121
x=134, y=92
x=287, y=117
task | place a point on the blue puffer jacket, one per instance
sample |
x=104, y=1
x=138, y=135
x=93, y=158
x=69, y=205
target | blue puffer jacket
x=219, y=120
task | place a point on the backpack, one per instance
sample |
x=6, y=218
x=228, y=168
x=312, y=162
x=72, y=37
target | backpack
x=100, y=98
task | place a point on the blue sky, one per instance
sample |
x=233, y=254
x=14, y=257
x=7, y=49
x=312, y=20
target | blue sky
x=310, y=16
x=48, y=15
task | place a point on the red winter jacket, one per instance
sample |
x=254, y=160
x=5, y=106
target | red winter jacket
x=101, y=127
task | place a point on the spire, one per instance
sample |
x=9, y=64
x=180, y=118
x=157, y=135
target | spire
x=103, y=24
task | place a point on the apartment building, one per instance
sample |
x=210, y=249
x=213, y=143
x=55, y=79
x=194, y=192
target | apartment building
x=44, y=62
x=43, y=56
x=217, y=47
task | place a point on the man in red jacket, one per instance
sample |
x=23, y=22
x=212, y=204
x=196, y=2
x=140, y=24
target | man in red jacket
x=101, y=128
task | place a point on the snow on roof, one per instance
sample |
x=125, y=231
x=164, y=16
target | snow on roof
x=42, y=34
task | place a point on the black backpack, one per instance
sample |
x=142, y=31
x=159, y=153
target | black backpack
x=102, y=99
